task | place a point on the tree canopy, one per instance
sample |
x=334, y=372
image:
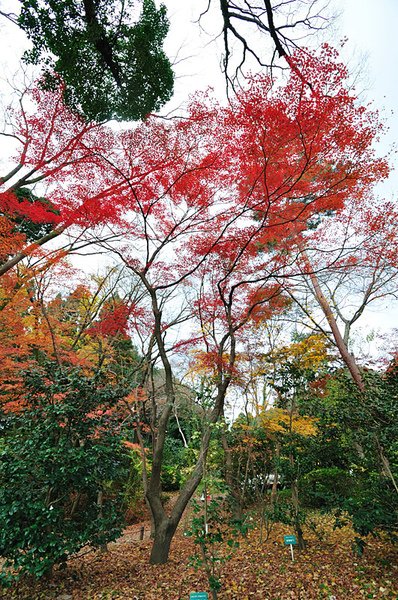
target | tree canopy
x=108, y=54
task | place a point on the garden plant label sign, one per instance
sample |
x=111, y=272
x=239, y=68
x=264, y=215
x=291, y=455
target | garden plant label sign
x=290, y=540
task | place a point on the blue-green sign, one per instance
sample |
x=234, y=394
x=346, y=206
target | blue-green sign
x=290, y=540
x=198, y=596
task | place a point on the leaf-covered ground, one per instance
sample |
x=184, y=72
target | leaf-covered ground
x=327, y=569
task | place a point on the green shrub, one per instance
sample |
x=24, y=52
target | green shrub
x=373, y=506
x=171, y=478
x=326, y=488
x=216, y=535
x=56, y=460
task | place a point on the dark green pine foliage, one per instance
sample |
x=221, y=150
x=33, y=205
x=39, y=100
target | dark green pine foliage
x=109, y=57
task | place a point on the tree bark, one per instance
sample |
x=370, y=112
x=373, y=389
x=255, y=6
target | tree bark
x=164, y=532
x=338, y=338
x=164, y=525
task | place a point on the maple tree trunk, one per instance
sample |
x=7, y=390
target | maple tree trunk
x=164, y=532
x=163, y=526
x=166, y=525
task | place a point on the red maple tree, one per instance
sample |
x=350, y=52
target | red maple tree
x=203, y=212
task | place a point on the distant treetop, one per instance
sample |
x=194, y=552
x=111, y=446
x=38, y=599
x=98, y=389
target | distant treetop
x=108, y=53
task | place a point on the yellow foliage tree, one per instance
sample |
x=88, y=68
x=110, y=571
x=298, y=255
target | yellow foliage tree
x=279, y=420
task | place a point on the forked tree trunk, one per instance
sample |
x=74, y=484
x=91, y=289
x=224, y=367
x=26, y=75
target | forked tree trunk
x=164, y=533
x=166, y=525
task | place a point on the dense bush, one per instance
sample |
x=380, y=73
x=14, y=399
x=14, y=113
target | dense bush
x=57, y=459
x=326, y=487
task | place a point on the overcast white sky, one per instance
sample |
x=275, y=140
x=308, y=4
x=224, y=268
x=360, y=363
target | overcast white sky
x=369, y=25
